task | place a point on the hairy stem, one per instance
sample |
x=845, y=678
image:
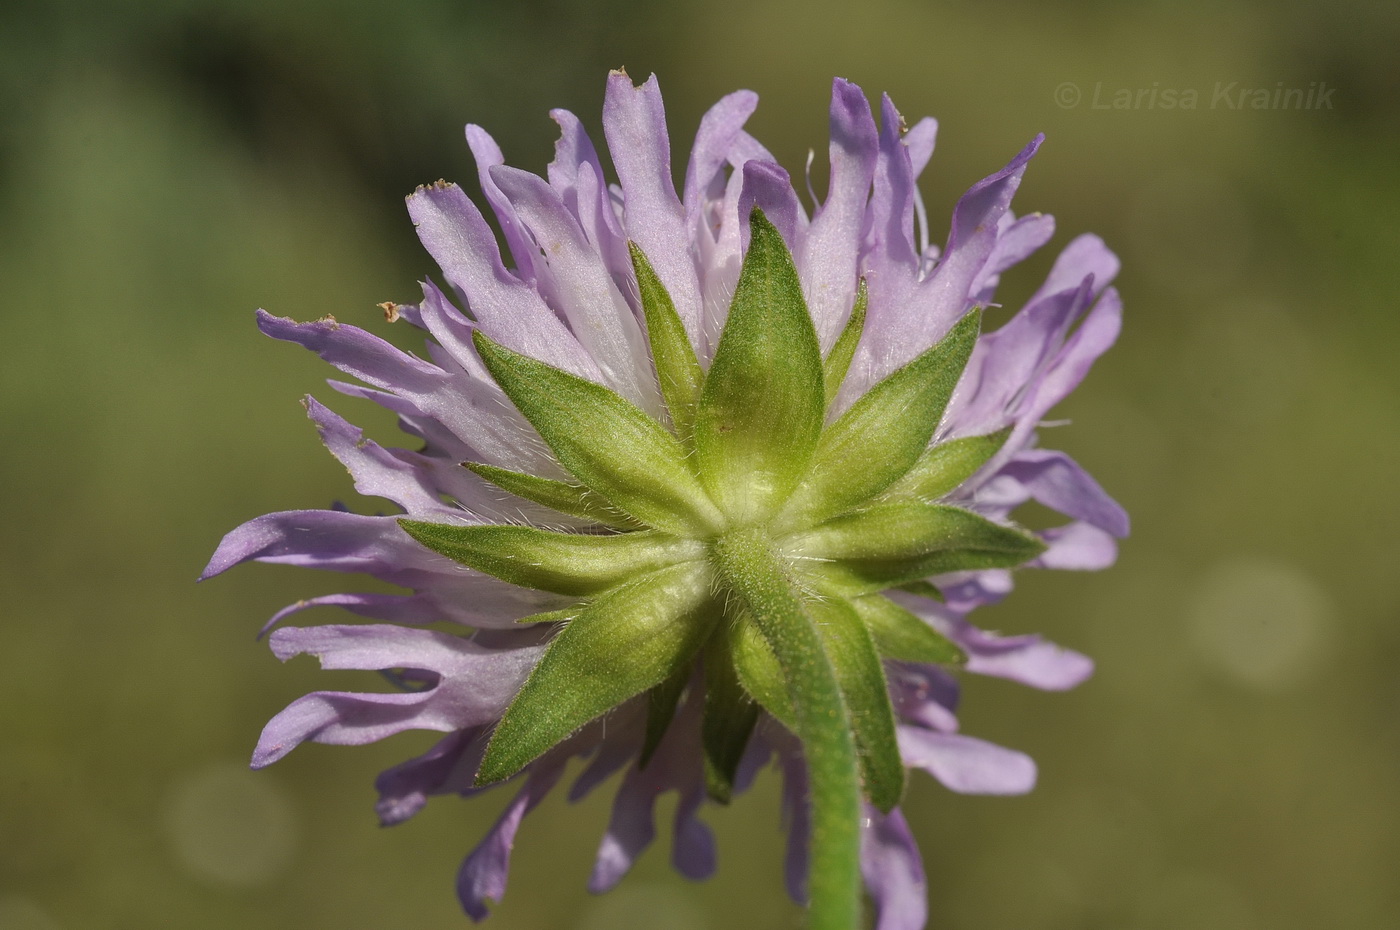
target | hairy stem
x=751, y=571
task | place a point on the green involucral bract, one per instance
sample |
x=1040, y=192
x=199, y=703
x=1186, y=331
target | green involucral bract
x=742, y=546
x=572, y=499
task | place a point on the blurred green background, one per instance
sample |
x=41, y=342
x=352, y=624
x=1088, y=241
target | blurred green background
x=168, y=166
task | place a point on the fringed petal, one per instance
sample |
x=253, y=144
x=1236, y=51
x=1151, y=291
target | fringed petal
x=510, y=311
x=634, y=121
x=600, y=318
x=487, y=155
x=827, y=263
x=376, y=473
x=469, y=685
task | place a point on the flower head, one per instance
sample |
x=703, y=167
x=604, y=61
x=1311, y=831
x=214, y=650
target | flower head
x=706, y=482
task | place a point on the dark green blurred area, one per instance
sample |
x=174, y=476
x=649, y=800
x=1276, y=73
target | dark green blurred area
x=167, y=167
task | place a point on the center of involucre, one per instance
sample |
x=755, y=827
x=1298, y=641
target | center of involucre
x=742, y=546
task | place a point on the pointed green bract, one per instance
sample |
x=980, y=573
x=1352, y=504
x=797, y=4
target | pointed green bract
x=890, y=545
x=882, y=435
x=904, y=530
x=730, y=716
x=619, y=452
x=902, y=635
x=759, y=671
x=945, y=466
x=858, y=577
x=677, y=368
x=862, y=680
x=562, y=615
x=762, y=405
x=924, y=589
x=838, y=361
x=565, y=563
x=626, y=641
x=572, y=499
x=661, y=708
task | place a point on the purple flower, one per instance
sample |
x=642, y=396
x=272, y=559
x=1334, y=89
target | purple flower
x=567, y=503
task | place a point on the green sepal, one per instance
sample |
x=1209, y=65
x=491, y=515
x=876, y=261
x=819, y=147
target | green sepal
x=730, y=716
x=572, y=499
x=615, y=449
x=624, y=642
x=884, y=433
x=763, y=402
x=924, y=589
x=859, y=577
x=564, y=563
x=759, y=671
x=838, y=360
x=862, y=679
x=661, y=709
x=562, y=615
x=890, y=545
x=910, y=530
x=945, y=466
x=899, y=634
x=677, y=368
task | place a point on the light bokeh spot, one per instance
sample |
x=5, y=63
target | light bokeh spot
x=229, y=826
x=1263, y=624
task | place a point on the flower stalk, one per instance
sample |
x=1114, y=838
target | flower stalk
x=768, y=594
